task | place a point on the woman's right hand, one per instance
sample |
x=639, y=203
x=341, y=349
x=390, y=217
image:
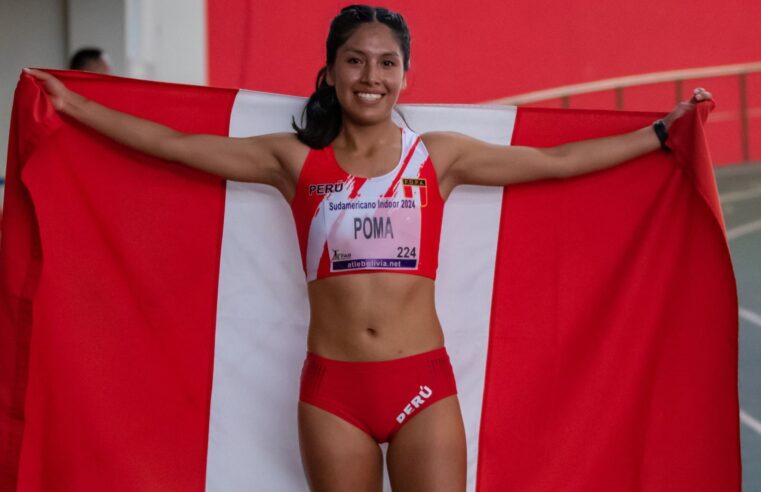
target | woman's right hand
x=59, y=95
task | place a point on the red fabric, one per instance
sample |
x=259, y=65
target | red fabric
x=110, y=367
x=610, y=371
x=613, y=348
x=378, y=397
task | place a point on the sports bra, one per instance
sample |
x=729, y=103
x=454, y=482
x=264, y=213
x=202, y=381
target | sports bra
x=350, y=224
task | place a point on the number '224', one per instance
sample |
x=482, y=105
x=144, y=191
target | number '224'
x=405, y=252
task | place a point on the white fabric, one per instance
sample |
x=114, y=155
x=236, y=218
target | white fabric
x=262, y=311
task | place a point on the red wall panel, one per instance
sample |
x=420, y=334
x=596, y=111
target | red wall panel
x=473, y=52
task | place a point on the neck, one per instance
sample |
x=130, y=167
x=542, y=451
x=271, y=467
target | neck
x=360, y=138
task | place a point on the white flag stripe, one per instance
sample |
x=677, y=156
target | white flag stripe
x=466, y=260
x=262, y=315
x=262, y=311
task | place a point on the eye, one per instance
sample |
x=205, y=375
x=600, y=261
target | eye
x=389, y=63
x=353, y=60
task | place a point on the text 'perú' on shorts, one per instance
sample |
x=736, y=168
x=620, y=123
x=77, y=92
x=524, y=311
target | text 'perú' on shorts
x=378, y=397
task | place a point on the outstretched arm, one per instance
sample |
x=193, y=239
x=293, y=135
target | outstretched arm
x=252, y=159
x=471, y=161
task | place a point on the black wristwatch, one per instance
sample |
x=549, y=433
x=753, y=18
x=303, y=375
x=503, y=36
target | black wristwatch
x=663, y=134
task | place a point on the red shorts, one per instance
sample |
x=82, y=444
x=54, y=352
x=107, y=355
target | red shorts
x=378, y=396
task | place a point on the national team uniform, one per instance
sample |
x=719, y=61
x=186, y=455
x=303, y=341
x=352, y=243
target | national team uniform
x=392, y=223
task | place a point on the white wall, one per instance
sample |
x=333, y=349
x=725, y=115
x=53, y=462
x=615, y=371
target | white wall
x=153, y=39
x=32, y=34
x=99, y=23
x=166, y=40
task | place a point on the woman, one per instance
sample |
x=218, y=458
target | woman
x=367, y=198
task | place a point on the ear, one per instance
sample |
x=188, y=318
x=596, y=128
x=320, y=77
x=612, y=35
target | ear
x=404, y=81
x=329, y=79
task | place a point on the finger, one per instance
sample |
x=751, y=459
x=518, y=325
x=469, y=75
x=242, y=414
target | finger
x=37, y=74
x=700, y=94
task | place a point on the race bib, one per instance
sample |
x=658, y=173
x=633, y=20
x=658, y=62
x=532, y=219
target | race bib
x=380, y=233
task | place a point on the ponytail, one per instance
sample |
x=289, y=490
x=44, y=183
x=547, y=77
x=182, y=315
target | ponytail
x=321, y=118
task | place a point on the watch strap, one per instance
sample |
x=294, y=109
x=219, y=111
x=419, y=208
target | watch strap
x=662, y=133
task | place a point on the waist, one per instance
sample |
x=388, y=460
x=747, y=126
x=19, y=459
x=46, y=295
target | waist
x=373, y=317
x=415, y=358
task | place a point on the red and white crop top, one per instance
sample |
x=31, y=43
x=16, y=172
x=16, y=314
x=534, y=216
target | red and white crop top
x=350, y=224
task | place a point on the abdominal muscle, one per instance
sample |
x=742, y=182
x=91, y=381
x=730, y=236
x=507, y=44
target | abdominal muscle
x=373, y=316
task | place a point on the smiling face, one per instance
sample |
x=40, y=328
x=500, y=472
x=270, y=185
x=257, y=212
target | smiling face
x=368, y=74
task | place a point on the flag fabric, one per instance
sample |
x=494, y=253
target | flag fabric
x=154, y=317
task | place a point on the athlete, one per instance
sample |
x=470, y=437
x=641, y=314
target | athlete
x=367, y=199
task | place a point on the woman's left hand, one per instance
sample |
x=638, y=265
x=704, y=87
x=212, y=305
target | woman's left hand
x=699, y=95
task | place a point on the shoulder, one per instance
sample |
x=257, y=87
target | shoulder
x=447, y=144
x=289, y=153
x=285, y=142
x=439, y=139
x=445, y=148
x=286, y=148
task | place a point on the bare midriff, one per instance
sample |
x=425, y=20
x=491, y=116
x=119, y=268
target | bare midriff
x=373, y=316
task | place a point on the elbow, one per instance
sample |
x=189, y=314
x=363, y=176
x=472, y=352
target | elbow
x=562, y=164
x=566, y=170
x=169, y=147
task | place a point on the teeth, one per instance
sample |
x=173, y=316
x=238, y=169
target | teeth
x=368, y=97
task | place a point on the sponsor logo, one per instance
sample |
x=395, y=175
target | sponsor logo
x=416, y=402
x=337, y=256
x=325, y=188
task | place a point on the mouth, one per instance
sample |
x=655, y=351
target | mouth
x=369, y=97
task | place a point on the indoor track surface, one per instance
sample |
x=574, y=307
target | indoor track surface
x=740, y=190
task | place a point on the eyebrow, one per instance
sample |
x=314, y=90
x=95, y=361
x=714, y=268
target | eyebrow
x=388, y=53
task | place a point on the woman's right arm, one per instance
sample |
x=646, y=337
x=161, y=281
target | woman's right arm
x=253, y=159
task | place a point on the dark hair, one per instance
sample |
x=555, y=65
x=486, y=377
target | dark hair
x=322, y=114
x=84, y=57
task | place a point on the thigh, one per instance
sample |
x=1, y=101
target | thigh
x=337, y=456
x=428, y=452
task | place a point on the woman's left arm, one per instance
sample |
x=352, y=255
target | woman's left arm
x=471, y=161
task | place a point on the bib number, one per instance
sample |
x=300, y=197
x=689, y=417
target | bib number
x=378, y=234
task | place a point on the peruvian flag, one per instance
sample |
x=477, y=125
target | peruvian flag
x=153, y=318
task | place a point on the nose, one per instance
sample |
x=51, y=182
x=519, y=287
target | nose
x=370, y=74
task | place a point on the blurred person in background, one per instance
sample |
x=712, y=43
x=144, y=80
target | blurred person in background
x=90, y=60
